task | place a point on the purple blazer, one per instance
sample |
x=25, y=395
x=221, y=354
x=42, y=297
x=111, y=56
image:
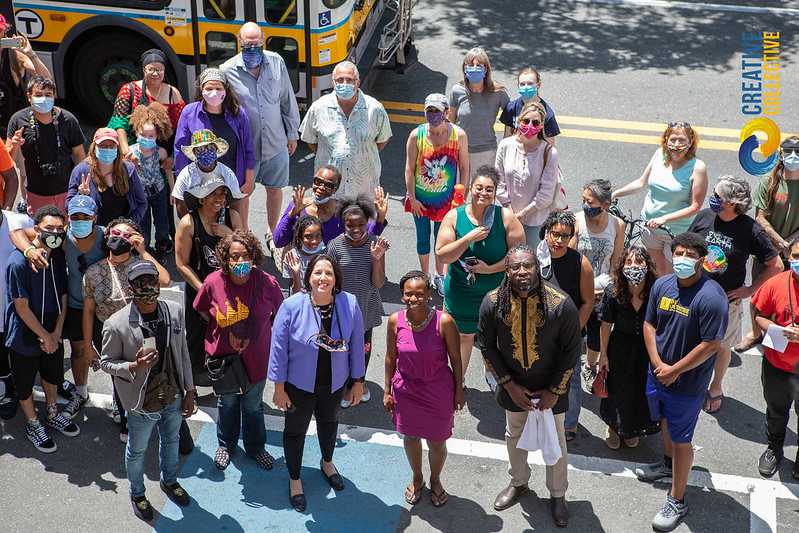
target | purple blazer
x=193, y=118
x=293, y=354
x=137, y=200
x=331, y=228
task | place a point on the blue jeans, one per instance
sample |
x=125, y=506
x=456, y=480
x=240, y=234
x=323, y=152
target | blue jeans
x=158, y=210
x=532, y=237
x=140, y=427
x=423, y=234
x=242, y=414
x=575, y=397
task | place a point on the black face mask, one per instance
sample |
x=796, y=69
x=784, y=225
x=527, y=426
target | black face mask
x=118, y=245
x=52, y=239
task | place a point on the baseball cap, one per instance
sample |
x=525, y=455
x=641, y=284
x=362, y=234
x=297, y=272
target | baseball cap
x=436, y=100
x=141, y=268
x=105, y=134
x=82, y=204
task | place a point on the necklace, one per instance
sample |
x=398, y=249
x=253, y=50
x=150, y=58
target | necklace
x=423, y=324
x=325, y=311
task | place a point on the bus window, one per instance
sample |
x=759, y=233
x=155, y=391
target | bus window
x=219, y=47
x=287, y=48
x=219, y=9
x=283, y=12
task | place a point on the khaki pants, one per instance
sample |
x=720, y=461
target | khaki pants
x=519, y=469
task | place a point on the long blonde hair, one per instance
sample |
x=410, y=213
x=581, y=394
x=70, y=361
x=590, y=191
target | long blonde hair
x=482, y=57
x=535, y=107
x=120, y=172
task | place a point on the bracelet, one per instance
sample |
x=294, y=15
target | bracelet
x=28, y=249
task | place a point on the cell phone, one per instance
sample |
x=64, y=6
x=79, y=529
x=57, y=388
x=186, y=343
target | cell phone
x=11, y=42
x=149, y=343
x=470, y=261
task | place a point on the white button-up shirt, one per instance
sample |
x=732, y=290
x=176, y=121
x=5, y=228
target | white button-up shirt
x=349, y=143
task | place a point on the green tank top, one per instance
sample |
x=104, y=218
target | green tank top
x=490, y=250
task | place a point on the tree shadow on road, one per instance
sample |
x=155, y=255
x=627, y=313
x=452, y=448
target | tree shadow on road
x=744, y=421
x=460, y=514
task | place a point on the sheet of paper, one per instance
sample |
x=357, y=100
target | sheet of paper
x=775, y=338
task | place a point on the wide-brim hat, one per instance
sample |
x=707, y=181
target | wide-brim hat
x=204, y=138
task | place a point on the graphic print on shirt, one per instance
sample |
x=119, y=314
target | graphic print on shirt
x=436, y=172
x=598, y=249
x=718, y=246
x=210, y=257
x=671, y=305
x=232, y=315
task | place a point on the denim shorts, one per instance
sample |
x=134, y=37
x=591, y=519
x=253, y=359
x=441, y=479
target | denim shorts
x=273, y=172
x=681, y=411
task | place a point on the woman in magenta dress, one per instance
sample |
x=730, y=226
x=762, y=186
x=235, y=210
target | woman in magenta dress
x=424, y=382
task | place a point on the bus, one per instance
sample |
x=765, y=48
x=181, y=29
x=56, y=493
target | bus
x=93, y=47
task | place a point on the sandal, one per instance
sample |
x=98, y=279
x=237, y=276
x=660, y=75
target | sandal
x=709, y=401
x=438, y=499
x=570, y=434
x=264, y=460
x=412, y=497
x=221, y=458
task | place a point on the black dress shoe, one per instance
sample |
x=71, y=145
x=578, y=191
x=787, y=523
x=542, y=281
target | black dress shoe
x=560, y=513
x=334, y=481
x=508, y=496
x=769, y=461
x=298, y=502
x=142, y=508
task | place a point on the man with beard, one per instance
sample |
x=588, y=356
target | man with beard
x=529, y=332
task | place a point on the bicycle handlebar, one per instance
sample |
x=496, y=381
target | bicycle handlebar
x=616, y=211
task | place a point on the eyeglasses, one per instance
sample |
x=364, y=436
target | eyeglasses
x=329, y=185
x=534, y=121
x=119, y=233
x=557, y=236
x=679, y=124
x=153, y=70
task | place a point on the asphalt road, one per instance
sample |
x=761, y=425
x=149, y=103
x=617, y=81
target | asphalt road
x=614, y=72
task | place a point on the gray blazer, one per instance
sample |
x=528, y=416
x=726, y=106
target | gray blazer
x=122, y=338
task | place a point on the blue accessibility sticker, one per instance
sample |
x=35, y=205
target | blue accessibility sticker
x=325, y=19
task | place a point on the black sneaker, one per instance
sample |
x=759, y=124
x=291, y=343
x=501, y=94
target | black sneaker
x=74, y=405
x=769, y=461
x=142, y=508
x=653, y=471
x=63, y=424
x=67, y=390
x=38, y=436
x=176, y=493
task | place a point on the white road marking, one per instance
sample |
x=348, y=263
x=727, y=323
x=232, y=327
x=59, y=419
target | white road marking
x=698, y=6
x=762, y=510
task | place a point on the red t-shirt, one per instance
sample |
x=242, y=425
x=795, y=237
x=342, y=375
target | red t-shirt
x=246, y=310
x=771, y=300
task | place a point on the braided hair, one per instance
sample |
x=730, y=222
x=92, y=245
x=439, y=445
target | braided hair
x=505, y=290
x=299, y=228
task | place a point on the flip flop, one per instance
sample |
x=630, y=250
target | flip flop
x=413, y=497
x=439, y=499
x=709, y=400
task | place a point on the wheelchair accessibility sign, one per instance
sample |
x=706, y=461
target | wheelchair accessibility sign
x=325, y=19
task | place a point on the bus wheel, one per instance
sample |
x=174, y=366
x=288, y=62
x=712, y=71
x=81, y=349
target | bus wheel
x=99, y=70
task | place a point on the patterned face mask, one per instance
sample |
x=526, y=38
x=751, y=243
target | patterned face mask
x=634, y=274
x=145, y=294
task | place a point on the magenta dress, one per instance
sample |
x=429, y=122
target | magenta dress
x=423, y=385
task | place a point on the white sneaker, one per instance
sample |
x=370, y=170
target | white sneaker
x=366, y=395
x=344, y=404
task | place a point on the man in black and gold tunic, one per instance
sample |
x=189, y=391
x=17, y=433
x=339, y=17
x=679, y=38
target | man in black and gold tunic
x=529, y=333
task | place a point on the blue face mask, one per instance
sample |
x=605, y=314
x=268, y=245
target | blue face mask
x=252, y=56
x=684, y=267
x=42, y=104
x=475, y=74
x=791, y=161
x=794, y=263
x=591, y=212
x=241, y=270
x=146, y=142
x=206, y=158
x=81, y=229
x=314, y=251
x=345, y=91
x=528, y=92
x=106, y=155
x=716, y=203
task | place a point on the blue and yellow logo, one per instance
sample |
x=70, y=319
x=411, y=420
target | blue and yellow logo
x=749, y=143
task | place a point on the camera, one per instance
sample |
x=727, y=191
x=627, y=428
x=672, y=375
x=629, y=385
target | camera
x=49, y=169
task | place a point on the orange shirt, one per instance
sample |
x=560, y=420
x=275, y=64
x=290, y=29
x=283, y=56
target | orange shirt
x=772, y=301
x=5, y=164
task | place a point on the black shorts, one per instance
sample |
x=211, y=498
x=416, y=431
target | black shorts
x=50, y=366
x=5, y=356
x=73, y=325
x=592, y=332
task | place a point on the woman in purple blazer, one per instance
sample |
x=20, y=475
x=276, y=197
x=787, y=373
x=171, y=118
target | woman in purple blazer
x=317, y=344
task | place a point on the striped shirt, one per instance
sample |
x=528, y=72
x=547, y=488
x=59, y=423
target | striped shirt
x=355, y=263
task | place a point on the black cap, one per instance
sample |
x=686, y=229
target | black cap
x=790, y=144
x=141, y=268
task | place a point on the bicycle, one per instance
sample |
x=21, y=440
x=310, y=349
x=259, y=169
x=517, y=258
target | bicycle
x=634, y=227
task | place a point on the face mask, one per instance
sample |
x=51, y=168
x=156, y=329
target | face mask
x=52, y=239
x=528, y=92
x=321, y=201
x=679, y=148
x=214, y=97
x=106, y=155
x=434, y=118
x=345, y=91
x=475, y=74
x=794, y=263
x=118, y=245
x=206, y=159
x=716, y=203
x=314, y=251
x=529, y=131
x=146, y=142
x=42, y=104
x=684, y=267
x=81, y=228
x=591, y=212
x=252, y=56
x=145, y=294
x=634, y=274
x=241, y=270
x=791, y=161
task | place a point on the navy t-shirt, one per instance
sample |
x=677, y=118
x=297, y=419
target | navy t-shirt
x=42, y=289
x=683, y=318
x=514, y=107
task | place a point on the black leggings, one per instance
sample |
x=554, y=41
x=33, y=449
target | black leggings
x=780, y=392
x=323, y=405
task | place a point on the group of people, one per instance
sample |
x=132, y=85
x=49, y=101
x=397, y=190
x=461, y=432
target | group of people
x=528, y=281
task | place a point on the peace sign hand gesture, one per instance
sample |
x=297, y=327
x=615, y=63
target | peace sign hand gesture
x=83, y=188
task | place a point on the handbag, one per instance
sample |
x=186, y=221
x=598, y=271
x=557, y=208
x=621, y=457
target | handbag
x=600, y=387
x=559, y=195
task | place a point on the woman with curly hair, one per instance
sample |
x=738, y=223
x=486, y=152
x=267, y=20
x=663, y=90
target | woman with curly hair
x=239, y=302
x=622, y=349
x=306, y=245
x=676, y=184
x=151, y=123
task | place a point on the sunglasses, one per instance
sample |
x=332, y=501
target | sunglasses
x=534, y=121
x=679, y=124
x=792, y=150
x=119, y=233
x=329, y=185
x=326, y=342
